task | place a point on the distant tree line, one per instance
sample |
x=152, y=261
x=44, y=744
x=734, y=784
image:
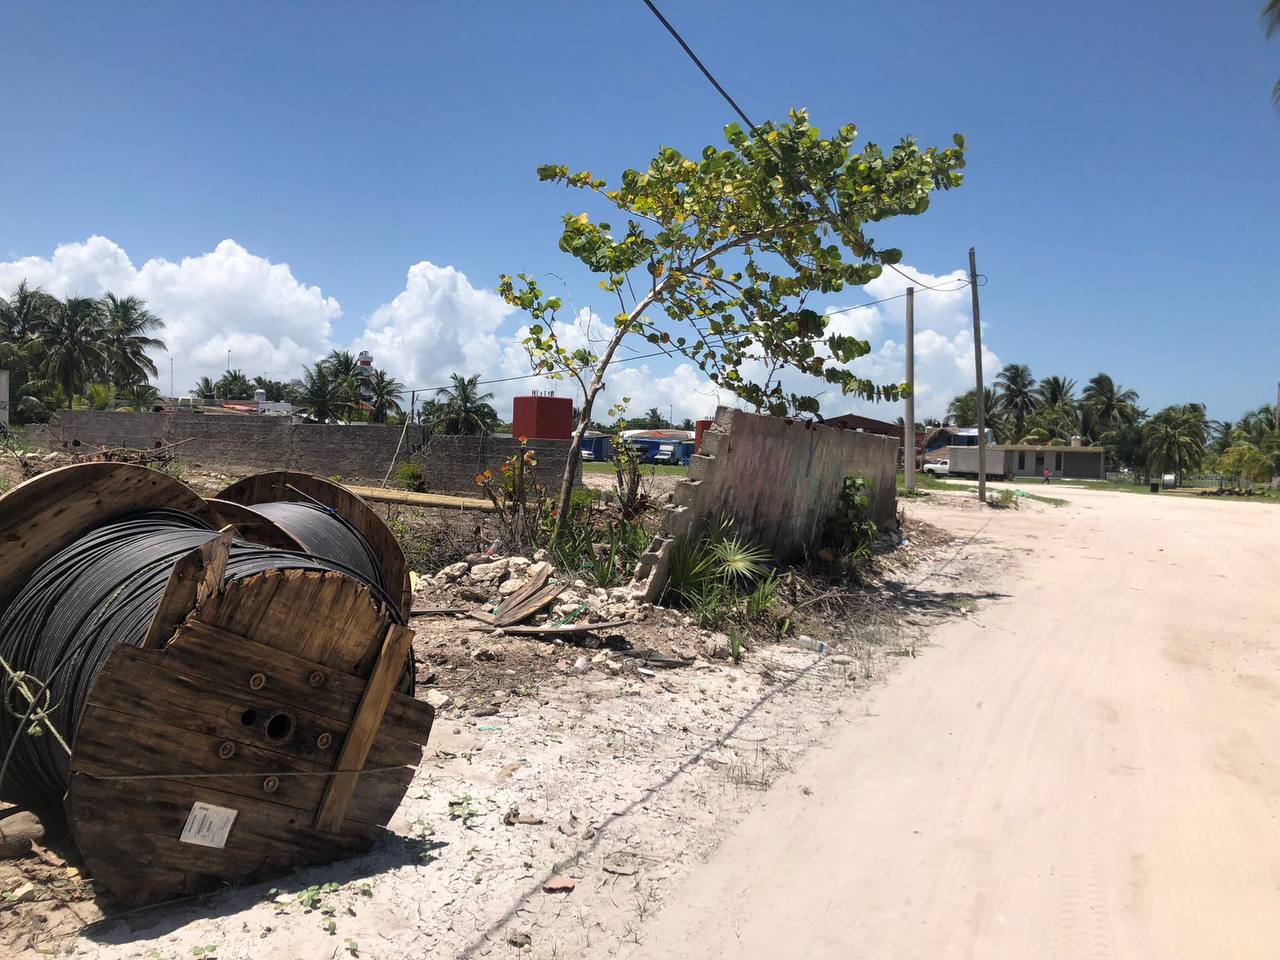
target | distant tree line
x=1179, y=439
x=91, y=350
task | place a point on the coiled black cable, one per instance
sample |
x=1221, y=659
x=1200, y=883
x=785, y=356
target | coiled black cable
x=325, y=534
x=99, y=592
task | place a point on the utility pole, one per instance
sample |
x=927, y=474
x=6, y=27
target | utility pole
x=977, y=363
x=171, y=393
x=909, y=422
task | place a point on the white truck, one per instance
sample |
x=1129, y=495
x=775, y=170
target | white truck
x=963, y=462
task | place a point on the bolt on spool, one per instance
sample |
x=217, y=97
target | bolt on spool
x=317, y=678
x=257, y=681
x=227, y=750
x=271, y=784
x=323, y=741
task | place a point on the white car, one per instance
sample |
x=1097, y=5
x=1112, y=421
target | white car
x=939, y=468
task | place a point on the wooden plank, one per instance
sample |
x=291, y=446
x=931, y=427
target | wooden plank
x=253, y=526
x=364, y=728
x=48, y=512
x=301, y=778
x=567, y=629
x=526, y=590
x=219, y=654
x=413, y=499
x=279, y=609
x=525, y=610
x=213, y=702
x=194, y=579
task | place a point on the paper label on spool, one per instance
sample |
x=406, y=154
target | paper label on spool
x=208, y=825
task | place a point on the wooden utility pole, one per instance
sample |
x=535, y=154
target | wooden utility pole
x=909, y=422
x=977, y=363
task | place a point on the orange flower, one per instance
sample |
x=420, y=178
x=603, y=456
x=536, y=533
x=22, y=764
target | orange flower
x=523, y=439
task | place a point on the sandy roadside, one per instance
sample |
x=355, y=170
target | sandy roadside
x=1086, y=769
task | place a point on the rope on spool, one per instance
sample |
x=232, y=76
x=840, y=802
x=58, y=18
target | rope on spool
x=325, y=534
x=95, y=594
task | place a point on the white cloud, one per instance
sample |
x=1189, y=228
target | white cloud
x=440, y=323
x=437, y=325
x=226, y=299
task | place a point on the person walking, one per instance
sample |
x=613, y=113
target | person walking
x=1047, y=474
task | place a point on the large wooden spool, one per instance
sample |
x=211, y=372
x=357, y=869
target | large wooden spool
x=210, y=754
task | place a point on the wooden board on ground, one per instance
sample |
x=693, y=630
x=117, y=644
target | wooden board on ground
x=50, y=511
x=208, y=761
x=288, y=486
x=566, y=629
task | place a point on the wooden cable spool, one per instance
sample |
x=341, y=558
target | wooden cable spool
x=208, y=754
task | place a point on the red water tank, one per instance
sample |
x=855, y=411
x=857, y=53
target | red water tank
x=542, y=418
x=699, y=428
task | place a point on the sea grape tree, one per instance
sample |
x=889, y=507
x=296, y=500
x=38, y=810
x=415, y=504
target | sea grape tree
x=715, y=258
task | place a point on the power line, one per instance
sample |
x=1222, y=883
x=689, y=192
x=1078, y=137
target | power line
x=536, y=376
x=756, y=131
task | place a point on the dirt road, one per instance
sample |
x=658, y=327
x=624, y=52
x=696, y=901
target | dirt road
x=1089, y=767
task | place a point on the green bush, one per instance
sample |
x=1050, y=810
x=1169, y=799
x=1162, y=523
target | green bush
x=410, y=476
x=716, y=574
x=850, y=533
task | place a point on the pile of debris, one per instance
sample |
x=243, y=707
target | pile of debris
x=491, y=629
x=520, y=595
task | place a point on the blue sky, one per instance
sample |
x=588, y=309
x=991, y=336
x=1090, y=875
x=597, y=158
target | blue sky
x=1121, y=188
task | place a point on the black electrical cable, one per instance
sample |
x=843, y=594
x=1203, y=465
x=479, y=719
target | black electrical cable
x=325, y=534
x=93, y=595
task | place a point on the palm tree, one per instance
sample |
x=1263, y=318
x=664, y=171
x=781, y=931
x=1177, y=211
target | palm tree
x=71, y=339
x=463, y=409
x=346, y=370
x=1054, y=390
x=21, y=315
x=1053, y=423
x=1175, y=440
x=382, y=393
x=129, y=325
x=963, y=410
x=24, y=312
x=138, y=398
x=1271, y=24
x=234, y=385
x=1107, y=406
x=316, y=394
x=205, y=389
x=1018, y=399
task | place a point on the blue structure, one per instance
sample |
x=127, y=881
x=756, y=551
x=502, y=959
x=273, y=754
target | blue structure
x=597, y=447
x=659, y=446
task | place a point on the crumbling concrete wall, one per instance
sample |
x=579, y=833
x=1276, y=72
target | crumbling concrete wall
x=779, y=479
x=250, y=444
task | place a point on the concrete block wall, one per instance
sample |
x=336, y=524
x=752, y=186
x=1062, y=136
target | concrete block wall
x=251, y=444
x=779, y=479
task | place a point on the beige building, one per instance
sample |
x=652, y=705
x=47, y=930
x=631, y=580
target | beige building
x=1076, y=462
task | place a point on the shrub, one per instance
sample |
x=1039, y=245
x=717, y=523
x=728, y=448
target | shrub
x=410, y=476
x=850, y=533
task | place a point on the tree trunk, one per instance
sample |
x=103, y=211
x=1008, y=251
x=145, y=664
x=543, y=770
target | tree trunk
x=588, y=399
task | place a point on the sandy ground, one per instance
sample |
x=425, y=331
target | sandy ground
x=1088, y=768
x=612, y=786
